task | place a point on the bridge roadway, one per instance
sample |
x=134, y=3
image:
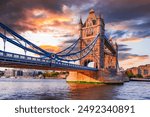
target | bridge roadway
x=12, y=60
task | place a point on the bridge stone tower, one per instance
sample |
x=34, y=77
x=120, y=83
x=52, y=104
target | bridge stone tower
x=104, y=54
x=88, y=31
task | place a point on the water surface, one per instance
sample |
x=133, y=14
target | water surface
x=49, y=89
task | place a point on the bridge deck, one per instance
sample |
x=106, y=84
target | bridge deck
x=12, y=60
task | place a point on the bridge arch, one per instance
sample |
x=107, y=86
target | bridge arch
x=90, y=63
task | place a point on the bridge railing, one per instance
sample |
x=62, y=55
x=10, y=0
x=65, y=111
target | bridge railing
x=40, y=61
x=24, y=57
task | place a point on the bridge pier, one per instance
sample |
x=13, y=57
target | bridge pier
x=83, y=77
x=96, y=77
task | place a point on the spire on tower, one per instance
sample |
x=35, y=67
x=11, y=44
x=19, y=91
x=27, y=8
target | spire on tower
x=91, y=11
x=80, y=22
x=102, y=16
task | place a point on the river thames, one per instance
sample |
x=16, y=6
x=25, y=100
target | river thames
x=58, y=89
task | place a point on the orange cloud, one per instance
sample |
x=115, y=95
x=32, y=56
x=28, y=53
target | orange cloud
x=42, y=18
x=53, y=23
x=50, y=48
x=134, y=61
x=115, y=26
x=131, y=39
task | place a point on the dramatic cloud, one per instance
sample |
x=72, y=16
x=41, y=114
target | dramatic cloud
x=130, y=40
x=125, y=56
x=49, y=48
x=121, y=10
x=39, y=15
x=129, y=31
x=128, y=60
x=34, y=15
x=65, y=35
x=123, y=47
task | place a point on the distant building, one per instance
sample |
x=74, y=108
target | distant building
x=143, y=70
x=21, y=73
x=9, y=72
x=1, y=73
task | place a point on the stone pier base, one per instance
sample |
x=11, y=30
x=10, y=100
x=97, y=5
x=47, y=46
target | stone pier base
x=83, y=77
x=97, y=77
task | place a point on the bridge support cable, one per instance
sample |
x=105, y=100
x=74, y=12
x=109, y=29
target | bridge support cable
x=4, y=44
x=109, y=45
x=93, y=53
x=25, y=51
x=19, y=45
x=84, y=52
x=80, y=54
x=18, y=38
x=4, y=41
x=69, y=49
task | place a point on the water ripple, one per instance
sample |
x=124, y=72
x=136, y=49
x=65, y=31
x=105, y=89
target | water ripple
x=52, y=89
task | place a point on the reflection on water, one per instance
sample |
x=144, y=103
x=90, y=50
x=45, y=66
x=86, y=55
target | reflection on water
x=49, y=89
x=90, y=91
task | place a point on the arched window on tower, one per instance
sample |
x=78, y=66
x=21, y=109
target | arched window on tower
x=92, y=31
x=89, y=32
x=94, y=22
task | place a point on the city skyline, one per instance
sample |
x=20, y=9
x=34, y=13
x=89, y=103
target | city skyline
x=53, y=24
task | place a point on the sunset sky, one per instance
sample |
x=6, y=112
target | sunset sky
x=52, y=24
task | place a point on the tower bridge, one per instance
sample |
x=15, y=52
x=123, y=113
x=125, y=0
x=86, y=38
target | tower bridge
x=93, y=46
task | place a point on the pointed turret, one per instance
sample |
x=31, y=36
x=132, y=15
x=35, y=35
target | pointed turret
x=99, y=19
x=110, y=40
x=80, y=21
x=91, y=11
x=80, y=27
